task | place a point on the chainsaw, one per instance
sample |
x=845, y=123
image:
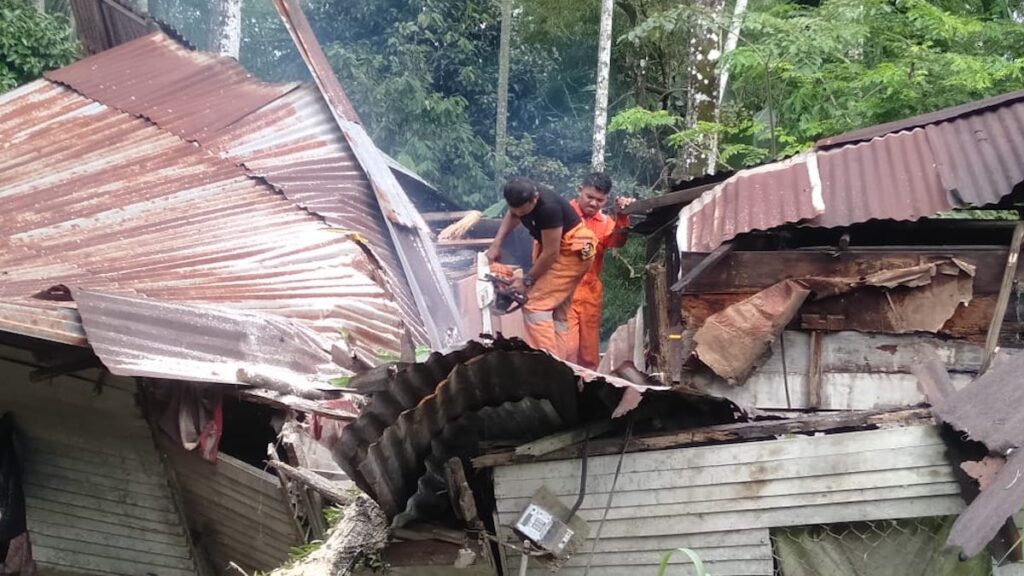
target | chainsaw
x=494, y=293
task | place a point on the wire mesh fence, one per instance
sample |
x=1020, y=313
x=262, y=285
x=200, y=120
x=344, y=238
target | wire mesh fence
x=876, y=548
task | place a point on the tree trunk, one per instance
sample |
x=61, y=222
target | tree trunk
x=226, y=27
x=40, y=5
x=142, y=6
x=702, y=102
x=501, y=126
x=730, y=44
x=604, y=57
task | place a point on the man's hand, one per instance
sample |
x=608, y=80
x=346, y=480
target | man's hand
x=622, y=202
x=518, y=285
x=493, y=254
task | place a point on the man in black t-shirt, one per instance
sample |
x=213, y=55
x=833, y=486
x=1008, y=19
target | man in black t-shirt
x=563, y=252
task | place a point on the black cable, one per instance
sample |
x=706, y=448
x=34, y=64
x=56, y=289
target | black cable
x=583, y=475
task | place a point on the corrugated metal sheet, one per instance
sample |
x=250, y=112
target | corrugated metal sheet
x=142, y=337
x=97, y=199
x=892, y=177
x=448, y=404
x=967, y=156
x=96, y=491
x=721, y=500
x=237, y=513
x=987, y=408
x=284, y=133
x=755, y=199
x=395, y=462
x=409, y=231
x=872, y=132
x=191, y=94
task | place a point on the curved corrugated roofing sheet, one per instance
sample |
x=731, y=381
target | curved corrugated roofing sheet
x=101, y=200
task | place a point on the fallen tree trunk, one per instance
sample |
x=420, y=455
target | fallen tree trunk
x=362, y=530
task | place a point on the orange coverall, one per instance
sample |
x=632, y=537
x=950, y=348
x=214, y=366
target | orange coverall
x=584, y=340
x=546, y=312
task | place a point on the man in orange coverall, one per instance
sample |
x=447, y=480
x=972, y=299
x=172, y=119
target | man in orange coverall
x=563, y=251
x=585, y=316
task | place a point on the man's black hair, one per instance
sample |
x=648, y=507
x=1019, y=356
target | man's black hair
x=598, y=181
x=519, y=191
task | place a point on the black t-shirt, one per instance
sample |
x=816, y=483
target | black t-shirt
x=551, y=211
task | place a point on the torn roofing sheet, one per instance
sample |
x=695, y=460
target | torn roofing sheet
x=95, y=198
x=283, y=134
x=988, y=409
x=409, y=231
x=966, y=156
x=733, y=341
x=136, y=336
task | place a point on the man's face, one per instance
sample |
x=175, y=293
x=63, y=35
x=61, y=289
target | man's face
x=525, y=209
x=591, y=200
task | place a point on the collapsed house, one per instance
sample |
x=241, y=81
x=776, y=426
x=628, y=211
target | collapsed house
x=190, y=257
x=804, y=315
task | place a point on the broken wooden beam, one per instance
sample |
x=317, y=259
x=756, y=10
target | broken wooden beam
x=460, y=494
x=1009, y=274
x=312, y=480
x=727, y=433
x=706, y=264
x=562, y=440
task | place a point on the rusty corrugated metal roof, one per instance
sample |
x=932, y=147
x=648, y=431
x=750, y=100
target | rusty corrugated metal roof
x=409, y=231
x=98, y=199
x=968, y=156
x=755, y=199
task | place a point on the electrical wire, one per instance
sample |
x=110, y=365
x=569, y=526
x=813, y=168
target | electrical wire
x=611, y=493
x=583, y=475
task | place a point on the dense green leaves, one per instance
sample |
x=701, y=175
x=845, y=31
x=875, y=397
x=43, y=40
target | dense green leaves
x=31, y=43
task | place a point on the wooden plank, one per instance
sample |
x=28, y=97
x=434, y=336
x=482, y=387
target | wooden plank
x=814, y=371
x=934, y=380
x=77, y=513
x=726, y=568
x=653, y=557
x=312, y=480
x=763, y=471
x=42, y=516
x=782, y=449
x=1009, y=274
x=465, y=243
x=53, y=555
x=737, y=538
x=115, y=540
x=721, y=506
x=825, y=514
x=749, y=272
x=678, y=198
x=732, y=433
x=89, y=502
x=562, y=440
x=706, y=264
x=112, y=551
x=938, y=477
x=460, y=494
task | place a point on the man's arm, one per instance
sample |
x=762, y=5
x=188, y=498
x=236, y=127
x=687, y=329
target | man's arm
x=620, y=233
x=550, y=244
x=508, y=224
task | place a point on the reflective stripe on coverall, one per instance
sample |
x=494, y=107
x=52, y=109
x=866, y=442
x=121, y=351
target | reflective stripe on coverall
x=584, y=341
x=546, y=312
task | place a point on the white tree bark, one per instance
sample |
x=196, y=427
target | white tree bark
x=702, y=104
x=226, y=27
x=731, y=40
x=40, y=5
x=604, y=57
x=501, y=125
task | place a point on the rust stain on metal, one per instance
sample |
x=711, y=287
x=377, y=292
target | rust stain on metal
x=980, y=523
x=966, y=156
x=98, y=199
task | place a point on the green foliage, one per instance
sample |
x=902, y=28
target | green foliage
x=340, y=382
x=698, y=565
x=636, y=119
x=623, y=276
x=31, y=43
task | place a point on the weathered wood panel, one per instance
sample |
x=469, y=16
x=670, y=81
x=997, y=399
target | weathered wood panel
x=721, y=500
x=96, y=491
x=857, y=371
x=238, y=513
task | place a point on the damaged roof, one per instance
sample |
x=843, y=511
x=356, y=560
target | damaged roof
x=970, y=155
x=166, y=175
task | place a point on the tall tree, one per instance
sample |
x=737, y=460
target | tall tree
x=226, y=27
x=702, y=93
x=501, y=124
x=604, y=57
